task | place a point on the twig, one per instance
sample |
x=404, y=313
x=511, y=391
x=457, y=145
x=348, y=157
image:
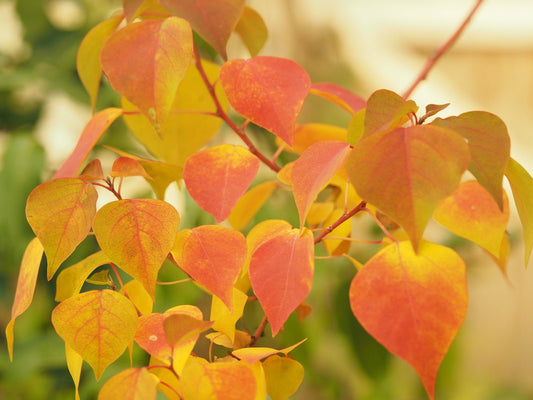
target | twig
x=259, y=331
x=344, y=217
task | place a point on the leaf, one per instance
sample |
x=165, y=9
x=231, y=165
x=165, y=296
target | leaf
x=522, y=187
x=406, y=172
x=93, y=171
x=250, y=203
x=269, y=91
x=489, y=145
x=431, y=110
x=413, y=304
x=309, y=134
x=313, y=170
x=283, y=376
x=339, y=95
x=281, y=273
x=212, y=20
x=92, y=132
x=252, y=30
x=88, y=57
x=217, y=177
x=251, y=355
x=98, y=325
x=130, y=384
x=356, y=127
x=74, y=365
x=137, y=235
x=126, y=166
x=60, y=213
x=472, y=213
x=70, y=281
x=135, y=291
x=338, y=246
x=136, y=8
x=29, y=269
x=213, y=256
x=146, y=61
x=224, y=318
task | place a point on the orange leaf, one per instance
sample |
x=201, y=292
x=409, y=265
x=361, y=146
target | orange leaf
x=252, y=30
x=413, y=304
x=93, y=171
x=269, y=91
x=61, y=213
x=29, y=269
x=308, y=134
x=213, y=256
x=137, y=235
x=146, y=61
x=126, y=166
x=406, y=172
x=212, y=20
x=281, y=273
x=338, y=95
x=472, y=213
x=490, y=147
x=98, y=325
x=313, y=170
x=217, y=177
x=130, y=384
x=92, y=132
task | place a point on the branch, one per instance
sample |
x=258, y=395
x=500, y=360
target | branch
x=344, y=217
x=441, y=50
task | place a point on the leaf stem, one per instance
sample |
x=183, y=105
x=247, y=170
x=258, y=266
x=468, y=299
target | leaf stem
x=441, y=50
x=344, y=217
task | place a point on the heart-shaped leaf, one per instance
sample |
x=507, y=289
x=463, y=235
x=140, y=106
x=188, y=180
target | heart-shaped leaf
x=131, y=383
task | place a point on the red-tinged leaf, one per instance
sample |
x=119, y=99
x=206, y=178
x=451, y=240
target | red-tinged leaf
x=29, y=269
x=339, y=95
x=386, y=110
x=70, y=281
x=522, y=187
x=146, y=61
x=88, y=58
x=126, y=166
x=137, y=235
x=251, y=355
x=213, y=256
x=252, y=30
x=74, y=365
x=472, y=213
x=489, y=144
x=217, y=177
x=61, y=213
x=269, y=91
x=406, y=172
x=90, y=135
x=413, y=304
x=130, y=384
x=92, y=171
x=313, y=170
x=308, y=134
x=137, y=8
x=98, y=325
x=212, y=20
x=283, y=376
x=281, y=274
x=250, y=203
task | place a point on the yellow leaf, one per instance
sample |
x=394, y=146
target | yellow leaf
x=253, y=354
x=250, y=203
x=138, y=296
x=224, y=319
x=283, y=376
x=74, y=364
x=338, y=246
x=252, y=30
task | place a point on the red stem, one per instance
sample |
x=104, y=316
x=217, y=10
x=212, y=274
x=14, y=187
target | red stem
x=344, y=217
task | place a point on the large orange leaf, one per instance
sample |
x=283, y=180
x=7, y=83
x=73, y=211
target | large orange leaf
x=281, y=273
x=213, y=256
x=252, y=30
x=90, y=135
x=313, y=170
x=146, y=61
x=61, y=213
x=137, y=235
x=339, y=95
x=490, y=147
x=471, y=212
x=522, y=186
x=130, y=384
x=98, y=325
x=407, y=171
x=217, y=177
x=29, y=269
x=413, y=304
x=212, y=20
x=269, y=91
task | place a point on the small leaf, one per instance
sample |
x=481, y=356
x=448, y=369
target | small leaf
x=137, y=235
x=250, y=203
x=339, y=95
x=98, y=325
x=283, y=376
x=136, y=8
x=130, y=384
x=281, y=273
x=431, y=110
x=413, y=304
x=92, y=171
x=60, y=213
x=146, y=61
x=217, y=177
x=212, y=20
x=90, y=135
x=313, y=170
x=224, y=318
x=252, y=30
x=29, y=269
x=251, y=355
x=308, y=134
x=522, y=186
x=74, y=364
x=126, y=166
x=269, y=91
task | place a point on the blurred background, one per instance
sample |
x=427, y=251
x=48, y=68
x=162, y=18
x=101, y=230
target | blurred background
x=361, y=45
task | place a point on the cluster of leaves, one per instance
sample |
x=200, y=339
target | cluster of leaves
x=388, y=163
